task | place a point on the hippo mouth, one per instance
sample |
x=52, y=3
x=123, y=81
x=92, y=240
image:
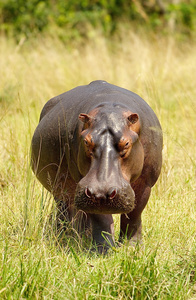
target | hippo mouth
x=124, y=202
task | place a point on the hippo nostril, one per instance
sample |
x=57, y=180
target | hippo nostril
x=112, y=193
x=88, y=192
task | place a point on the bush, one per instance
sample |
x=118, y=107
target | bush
x=32, y=16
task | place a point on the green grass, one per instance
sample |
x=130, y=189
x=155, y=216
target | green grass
x=34, y=262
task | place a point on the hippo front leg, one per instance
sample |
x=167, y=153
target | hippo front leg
x=131, y=228
x=102, y=231
x=131, y=224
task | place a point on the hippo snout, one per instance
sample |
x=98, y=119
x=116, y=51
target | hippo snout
x=111, y=200
x=110, y=193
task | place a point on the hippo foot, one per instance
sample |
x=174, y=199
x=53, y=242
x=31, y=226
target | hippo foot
x=103, y=244
x=102, y=249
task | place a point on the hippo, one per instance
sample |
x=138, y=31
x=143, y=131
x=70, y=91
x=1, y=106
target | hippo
x=98, y=150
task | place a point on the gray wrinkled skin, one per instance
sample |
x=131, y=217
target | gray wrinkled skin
x=98, y=179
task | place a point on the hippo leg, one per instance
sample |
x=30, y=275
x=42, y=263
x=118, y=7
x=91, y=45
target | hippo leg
x=67, y=214
x=102, y=231
x=131, y=224
x=66, y=211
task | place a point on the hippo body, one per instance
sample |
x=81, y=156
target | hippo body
x=98, y=150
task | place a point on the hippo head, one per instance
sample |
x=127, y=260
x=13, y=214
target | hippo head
x=110, y=158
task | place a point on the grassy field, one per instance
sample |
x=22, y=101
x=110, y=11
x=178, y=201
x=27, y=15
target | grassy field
x=34, y=264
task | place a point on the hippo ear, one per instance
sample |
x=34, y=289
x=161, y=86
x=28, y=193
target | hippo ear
x=133, y=118
x=85, y=118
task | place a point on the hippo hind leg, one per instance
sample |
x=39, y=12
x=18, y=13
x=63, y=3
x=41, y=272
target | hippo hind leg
x=67, y=217
x=131, y=224
x=63, y=214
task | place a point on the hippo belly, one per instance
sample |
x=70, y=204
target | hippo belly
x=98, y=149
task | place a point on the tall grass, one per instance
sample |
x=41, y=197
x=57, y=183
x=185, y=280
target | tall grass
x=35, y=264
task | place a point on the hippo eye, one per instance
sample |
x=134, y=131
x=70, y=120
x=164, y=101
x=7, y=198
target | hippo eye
x=122, y=154
x=124, y=146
